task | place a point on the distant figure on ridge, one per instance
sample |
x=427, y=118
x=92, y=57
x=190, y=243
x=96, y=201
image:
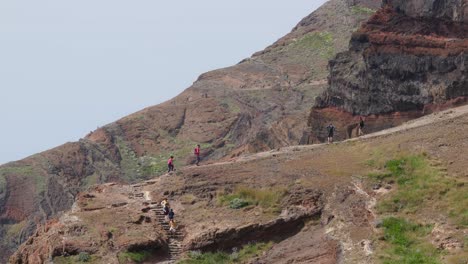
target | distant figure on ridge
x=170, y=164
x=331, y=131
x=197, y=154
x=361, y=126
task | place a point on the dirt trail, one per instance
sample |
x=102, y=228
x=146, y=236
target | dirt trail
x=416, y=123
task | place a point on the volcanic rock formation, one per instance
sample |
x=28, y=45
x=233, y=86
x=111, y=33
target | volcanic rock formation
x=408, y=60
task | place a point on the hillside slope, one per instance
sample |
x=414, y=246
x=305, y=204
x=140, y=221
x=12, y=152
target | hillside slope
x=397, y=196
x=259, y=104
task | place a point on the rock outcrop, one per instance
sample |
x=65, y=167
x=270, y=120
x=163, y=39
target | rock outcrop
x=455, y=10
x=409, y=59
x=262, y=103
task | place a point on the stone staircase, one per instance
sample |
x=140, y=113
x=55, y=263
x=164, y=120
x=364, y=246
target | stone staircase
x=175, y=238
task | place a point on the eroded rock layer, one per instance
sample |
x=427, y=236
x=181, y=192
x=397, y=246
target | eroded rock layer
x=410, y=58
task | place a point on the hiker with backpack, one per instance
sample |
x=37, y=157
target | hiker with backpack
x=331, y=131
x=171, y=215
x=197, y=154
x=170, y=164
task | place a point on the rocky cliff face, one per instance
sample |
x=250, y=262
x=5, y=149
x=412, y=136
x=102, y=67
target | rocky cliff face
x=409, y=59
x=259, y=104
x=455, y=10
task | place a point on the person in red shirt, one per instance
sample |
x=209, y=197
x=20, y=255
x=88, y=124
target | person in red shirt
x=170, y=164
x=197, y=154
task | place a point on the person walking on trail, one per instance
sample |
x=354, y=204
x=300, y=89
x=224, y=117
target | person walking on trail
x=361, y=126
x=170, y=164
x=166, y=211
x=171, y=215
x=331, y=131
x=172, y=226
x=197, y=154
x=164, y=202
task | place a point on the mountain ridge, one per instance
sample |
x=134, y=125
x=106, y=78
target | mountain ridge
x=259, y=104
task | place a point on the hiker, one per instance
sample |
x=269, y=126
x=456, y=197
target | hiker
x=170, y=164
x=331, y=131
x=197, y=154
x=172, y=226
x=171, y=215
x=164, y=202
x=166, y=212
x=360, y=126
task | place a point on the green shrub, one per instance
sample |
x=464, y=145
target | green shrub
x=268, y=199
x=238, y=203
x=84, y=257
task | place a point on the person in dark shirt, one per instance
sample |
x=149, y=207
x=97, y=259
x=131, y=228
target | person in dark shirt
x=361, y=126
x=331, y=132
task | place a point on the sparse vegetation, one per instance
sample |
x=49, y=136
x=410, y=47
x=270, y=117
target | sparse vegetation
x=26, y=172
x=247, y=252
x=421, y=187
x=361, y=10
x=83, y=257
x=268, y=199
x=2, y=185
x=320, y=43
x=229, y=104
x=134, y=256
x=129, y=162
x=420, y=183
x=406, y=243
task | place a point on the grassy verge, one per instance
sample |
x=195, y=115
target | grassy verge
x=268, y=199
x=247, y=252
x=420, y=189
x=406, y=243
x=422, y=186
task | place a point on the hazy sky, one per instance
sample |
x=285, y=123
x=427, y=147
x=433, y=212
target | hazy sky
x=67, y=67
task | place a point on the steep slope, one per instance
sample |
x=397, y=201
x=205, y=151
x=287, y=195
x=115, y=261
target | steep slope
x=308, y=204
x=408, y=60
x=259, y=104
